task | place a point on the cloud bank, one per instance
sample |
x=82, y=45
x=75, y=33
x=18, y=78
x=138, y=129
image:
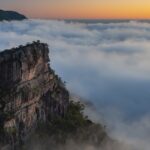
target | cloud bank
x=109, y=64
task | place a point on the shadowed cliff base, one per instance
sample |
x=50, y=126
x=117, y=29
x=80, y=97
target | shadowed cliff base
x=73, y=132
x=72, y=129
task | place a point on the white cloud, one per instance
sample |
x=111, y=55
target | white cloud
x=107, y=63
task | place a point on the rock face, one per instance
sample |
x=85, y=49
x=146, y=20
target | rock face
x=11, y=15
x=29, y=92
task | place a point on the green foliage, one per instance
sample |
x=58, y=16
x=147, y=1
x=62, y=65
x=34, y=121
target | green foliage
x=74, y=125
x=71, y=122
x=36, y=90
x=11, y=130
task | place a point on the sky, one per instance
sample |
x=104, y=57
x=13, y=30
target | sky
x=85, y=9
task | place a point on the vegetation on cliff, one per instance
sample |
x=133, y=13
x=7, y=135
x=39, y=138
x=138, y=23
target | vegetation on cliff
x=73, y=127
x=36, y=105
x=30, y=92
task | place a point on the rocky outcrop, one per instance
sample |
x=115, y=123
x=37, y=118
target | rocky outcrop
x=30, y=92
x=11, y=15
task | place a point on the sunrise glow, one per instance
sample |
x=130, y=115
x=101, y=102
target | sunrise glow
x=96, y=9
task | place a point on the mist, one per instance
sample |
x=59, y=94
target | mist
x=106, y=64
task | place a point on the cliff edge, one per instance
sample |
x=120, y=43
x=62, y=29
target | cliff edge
x=30, y=92
x=35, y=105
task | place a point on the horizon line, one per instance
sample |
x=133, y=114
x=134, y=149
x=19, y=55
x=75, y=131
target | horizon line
x=89, y=18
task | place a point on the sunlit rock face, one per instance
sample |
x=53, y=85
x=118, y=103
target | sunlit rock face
x=29, y=92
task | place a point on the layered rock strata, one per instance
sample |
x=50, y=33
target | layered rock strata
x=30, y=92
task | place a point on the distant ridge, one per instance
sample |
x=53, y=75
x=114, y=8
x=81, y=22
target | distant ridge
x=11, y=15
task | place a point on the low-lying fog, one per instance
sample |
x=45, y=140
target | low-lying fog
x=107, y=64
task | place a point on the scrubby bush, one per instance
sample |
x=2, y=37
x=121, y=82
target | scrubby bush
x=74, y=125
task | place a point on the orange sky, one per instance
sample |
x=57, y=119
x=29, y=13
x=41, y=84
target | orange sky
x=137, y=9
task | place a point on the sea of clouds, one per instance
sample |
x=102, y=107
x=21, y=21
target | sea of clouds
x=107, y=64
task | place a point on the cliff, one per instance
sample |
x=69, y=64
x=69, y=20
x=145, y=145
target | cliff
x=30, y=92
x=11, y=15
x=35, y=105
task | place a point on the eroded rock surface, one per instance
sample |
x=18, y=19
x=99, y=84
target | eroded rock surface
x=30, y=91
